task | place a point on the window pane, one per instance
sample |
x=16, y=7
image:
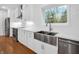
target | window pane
x=56, y=15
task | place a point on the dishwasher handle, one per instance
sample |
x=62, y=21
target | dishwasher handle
x=69, y=41
x=73, y=42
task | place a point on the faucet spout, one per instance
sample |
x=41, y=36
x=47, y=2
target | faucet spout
x=50, y=27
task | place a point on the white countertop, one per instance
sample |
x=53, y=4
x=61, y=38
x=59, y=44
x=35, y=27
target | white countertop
x=15, y=24
x=34, y=29
x=62, y=35
x=68, y=36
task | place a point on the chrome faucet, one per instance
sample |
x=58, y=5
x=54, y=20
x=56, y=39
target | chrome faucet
x=50, y=27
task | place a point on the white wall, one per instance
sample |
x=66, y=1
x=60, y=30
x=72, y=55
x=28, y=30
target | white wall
x=13, y=12
x=73, y=26
x=74, y=20
x=3, y=15
x=34, y=14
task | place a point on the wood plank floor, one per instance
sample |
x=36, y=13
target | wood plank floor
x=9, y=45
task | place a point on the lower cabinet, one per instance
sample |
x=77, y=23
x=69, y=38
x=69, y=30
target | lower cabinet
x=39, y=47
x=30, y=38
x=44, y=48
x=22, y=37
x=50, y=49
x=27, y=39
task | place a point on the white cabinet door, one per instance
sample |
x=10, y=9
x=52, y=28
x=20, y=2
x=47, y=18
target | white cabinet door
x=44, y=48
x=50, y=49
x=21, y=36
x=31, y=41
x=39, y=47
x=26, y=37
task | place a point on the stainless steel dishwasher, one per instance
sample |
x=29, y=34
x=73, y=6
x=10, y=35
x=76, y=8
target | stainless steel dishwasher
x=15, y=34
x=66, y=46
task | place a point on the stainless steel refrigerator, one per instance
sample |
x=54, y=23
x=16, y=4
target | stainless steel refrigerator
x=7, y=26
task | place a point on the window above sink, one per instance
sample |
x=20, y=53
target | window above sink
x=57, y=15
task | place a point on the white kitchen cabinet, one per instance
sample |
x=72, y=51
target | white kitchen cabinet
x=50, y=49
x=30, y=40
x=39, y=48
x=22, y=37
x=27, y=38
x=44, y=48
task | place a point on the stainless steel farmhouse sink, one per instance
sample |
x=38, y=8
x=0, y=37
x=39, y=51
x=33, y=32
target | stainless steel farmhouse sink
x=43, y=32
x=47, y=37
x=47, y=33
